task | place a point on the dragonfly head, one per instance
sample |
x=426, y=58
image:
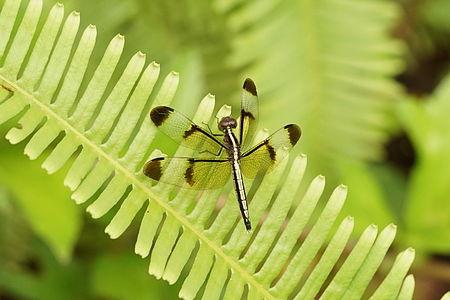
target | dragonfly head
x=227, y=122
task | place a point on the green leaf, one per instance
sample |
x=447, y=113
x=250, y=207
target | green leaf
x=390, y=286
x=332, y=63
x=52, y=280
x=368, y=203
x=108, y=279
x=407, y=290
x=427, y=209
x=43, y=200
x=104, y=125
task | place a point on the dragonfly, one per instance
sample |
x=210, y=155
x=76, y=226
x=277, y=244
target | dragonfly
x=229, y=153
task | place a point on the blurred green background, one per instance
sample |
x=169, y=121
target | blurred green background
x=367, y=81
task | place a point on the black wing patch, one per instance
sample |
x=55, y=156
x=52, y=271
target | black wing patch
x=265, y=155
x=189, y=172
x=160, y=114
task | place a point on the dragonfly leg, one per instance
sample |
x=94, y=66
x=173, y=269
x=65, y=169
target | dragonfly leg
x=206, y=151
x=210, y=131
x=215, y=154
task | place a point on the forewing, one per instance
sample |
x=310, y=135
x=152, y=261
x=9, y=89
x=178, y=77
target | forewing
x=183, y=131
x=248, y=120
x=189, y=172
x=265, y=155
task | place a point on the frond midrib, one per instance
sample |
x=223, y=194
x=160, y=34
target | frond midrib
x=137, y=183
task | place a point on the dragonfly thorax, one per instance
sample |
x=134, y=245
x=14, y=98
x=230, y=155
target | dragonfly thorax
x=227, y=122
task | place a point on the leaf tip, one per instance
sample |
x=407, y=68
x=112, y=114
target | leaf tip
x=224, y=111
x=170, y=281
x=373, y=227
x=410, y=251
x=392, y=226
x=92, y=211
x=48, y=167
x=31, y=154
x=69, y=183
x=140, y=252
x=112, y=235
x=343, y=187
x=141, y=54
x=11, y=137
x=78, y=198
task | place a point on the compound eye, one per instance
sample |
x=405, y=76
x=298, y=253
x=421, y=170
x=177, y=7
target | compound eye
x=227, y=122
x=222, y=124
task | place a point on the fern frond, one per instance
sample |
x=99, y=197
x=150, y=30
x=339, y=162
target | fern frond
x=338, y=63
x=109, y=134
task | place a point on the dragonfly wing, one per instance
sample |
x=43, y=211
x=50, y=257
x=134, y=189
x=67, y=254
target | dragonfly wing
x=248, y=120
x=189, y=172
x=183, y=131
x=265, y=155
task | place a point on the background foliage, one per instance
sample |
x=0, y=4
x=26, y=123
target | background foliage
x=365, y=79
